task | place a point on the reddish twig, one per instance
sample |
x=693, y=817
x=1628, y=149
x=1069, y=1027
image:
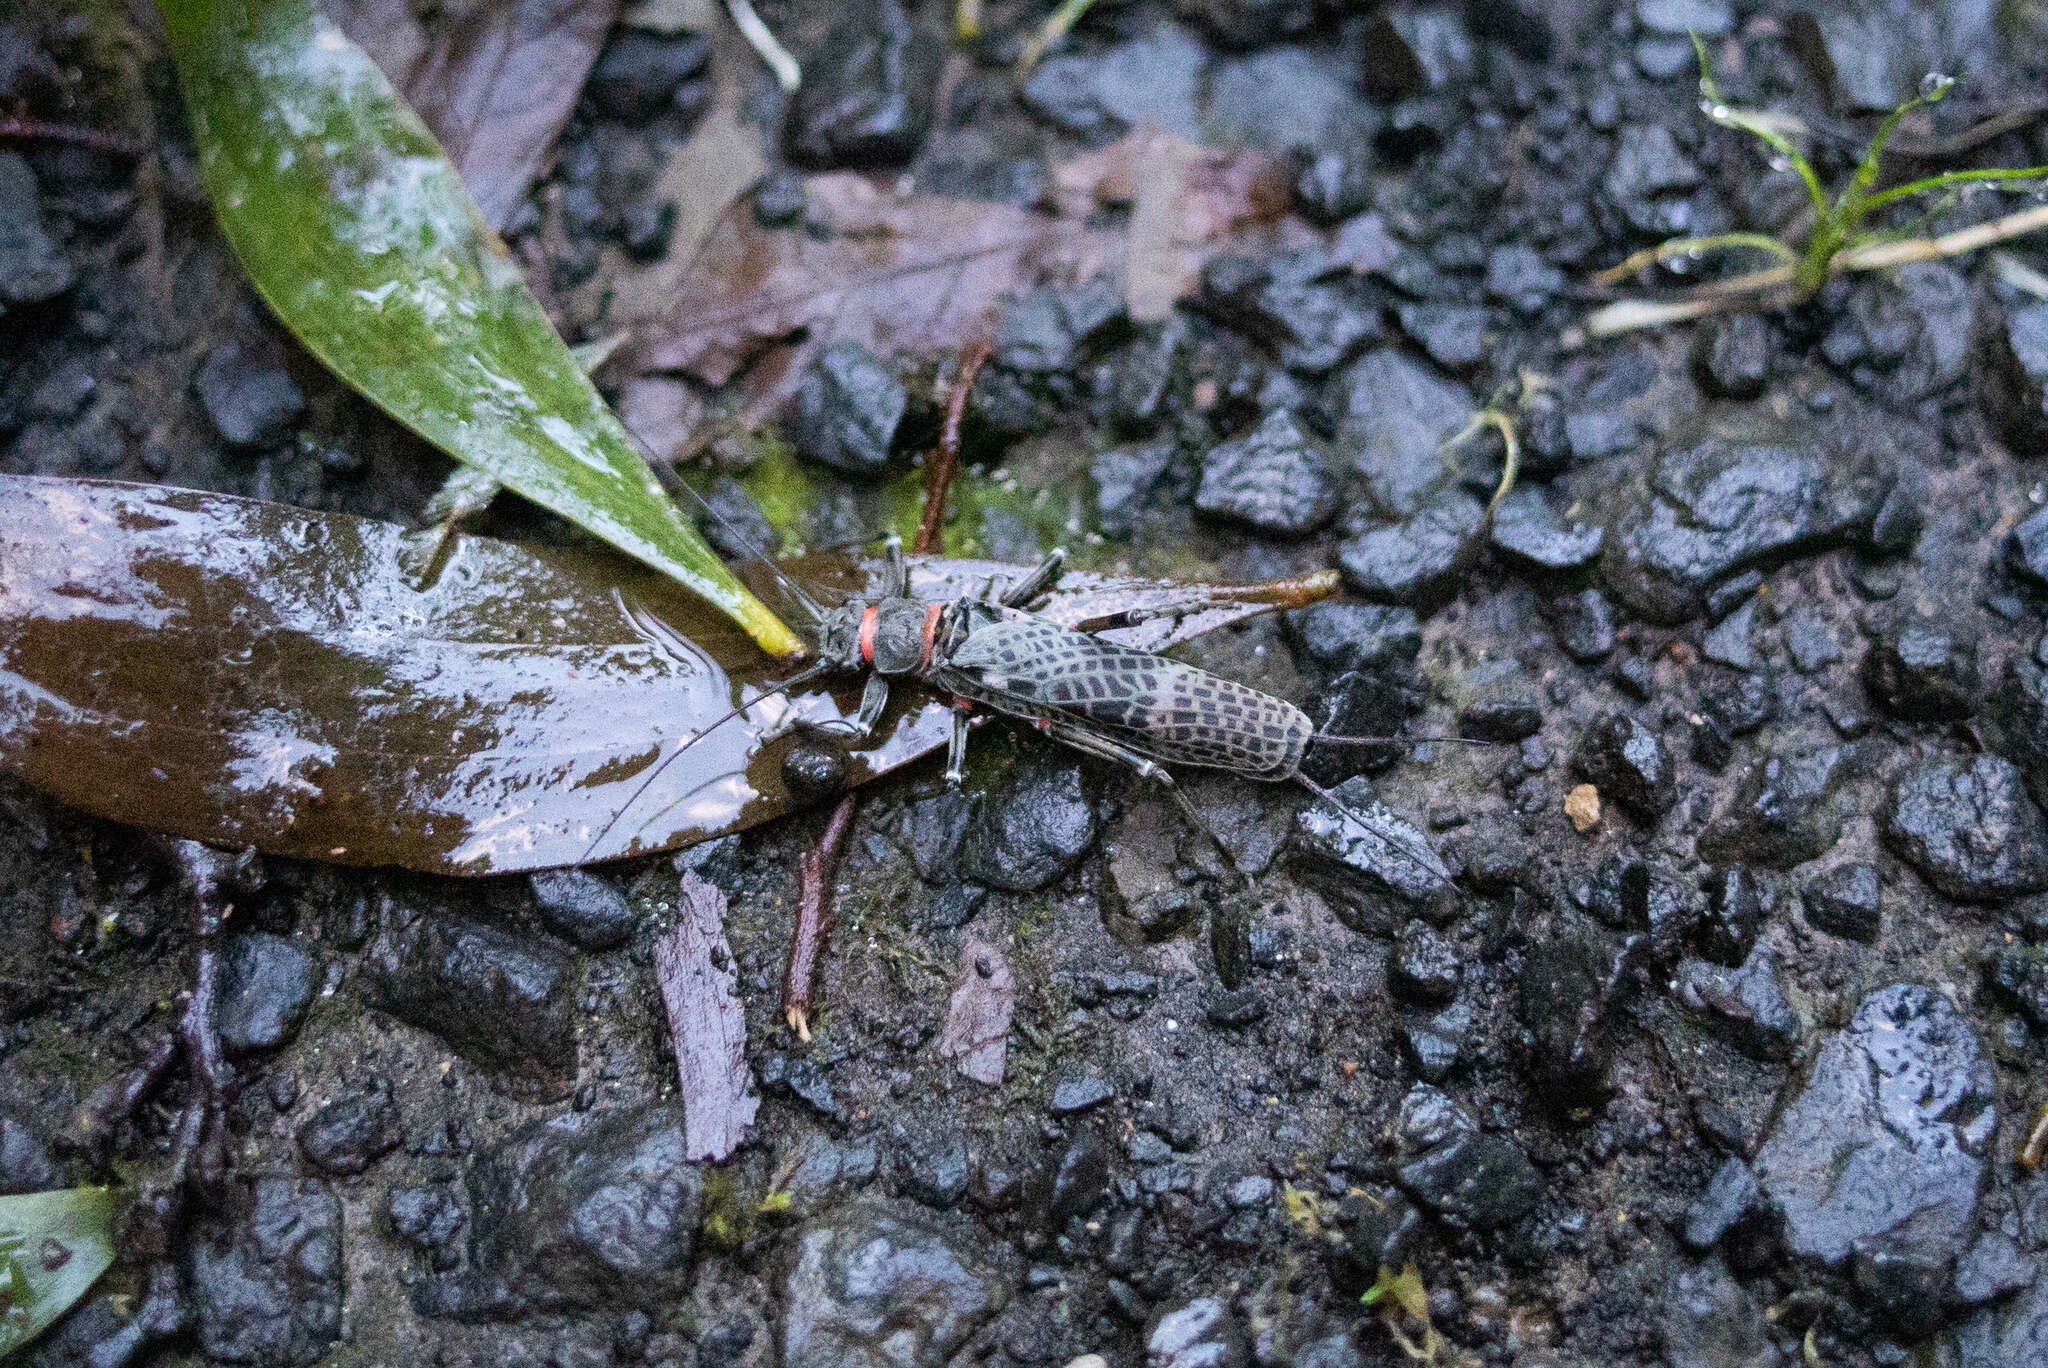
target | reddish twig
x=16, y=128
x=938, y=477
x=814, y=917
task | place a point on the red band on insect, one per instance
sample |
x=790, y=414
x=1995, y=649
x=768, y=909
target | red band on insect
x=931, y=633
x=867, y=634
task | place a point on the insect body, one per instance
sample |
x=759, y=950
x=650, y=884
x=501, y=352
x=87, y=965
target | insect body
x=1139, y=709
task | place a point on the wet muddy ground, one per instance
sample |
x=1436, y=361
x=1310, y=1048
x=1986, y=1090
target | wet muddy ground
x=1733, y=1068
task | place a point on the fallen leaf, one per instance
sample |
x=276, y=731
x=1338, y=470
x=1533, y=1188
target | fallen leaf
x=53, y=1246
x=359, y=234
x=693, y=965
x=495, y=82
x=246, y=673
x=1185, y=198
x=1582, y=805
x=923, y=274
x=978, y=1019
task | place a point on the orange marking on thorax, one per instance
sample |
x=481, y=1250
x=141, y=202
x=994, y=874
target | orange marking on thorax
x=867, y=633
x=931, y=633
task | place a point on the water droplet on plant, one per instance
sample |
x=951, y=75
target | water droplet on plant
x=1934, y=85
x=1781, y=164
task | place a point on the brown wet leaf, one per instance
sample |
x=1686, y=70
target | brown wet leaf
x=245, y=673
x=494, y=81
x=693, y=965
x=978, y=1019
x=924, y=274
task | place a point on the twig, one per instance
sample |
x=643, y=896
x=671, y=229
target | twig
x=762, y=39
x=693, y=967
x=814, y=917
x=15, y=128
x=938, y=477
x=2033, y=1151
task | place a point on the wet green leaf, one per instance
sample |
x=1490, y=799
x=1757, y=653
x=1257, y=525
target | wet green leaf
x=247, y=673
x=52, y=1246
x=357, y=230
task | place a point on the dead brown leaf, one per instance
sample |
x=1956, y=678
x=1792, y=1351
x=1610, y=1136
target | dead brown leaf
x=493, y=81
x=924, y=274
x=694, y=967
x=978, y=1020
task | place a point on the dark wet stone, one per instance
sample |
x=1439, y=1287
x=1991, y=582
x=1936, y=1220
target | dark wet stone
x=1198, y=1334
x=63, y=394
x=1731, y=491
x=1248, y=23
x=1374, y=1229
x=1416, y=52
x=33, y=267
x=1124, y=480
x=932, y=1170
x=1712, y=1321
x=1571, y=980
x=848, y=410
x=1730, y=1198
x=1677, y=18
x=1419, y=562
x=1433, y=1042
x=265, y=992
x=1993, y=1267
x=1357, y=636
x=1631, y=894
x=1030, y=830
x=1527, y=528
x=1072, y=1096
x=1745, y=1006
x=1648, y=179
x=934, y=830
x=2019, y=716
x=589, y=1209
x=505, y=1002
x=1504, y=718
x=1876, y=1165
x=1628, y=763
x=803, y=1080
x=1143, y=374
x=1846, y=901
x=2015, y=376
x=1274, y=479
x=645, y=227
x=1367, y=860
x=1737, y=903
x=1359, y=703
x=1810, y=642
x=1521, y=25
x=1423, y=967
x=249, y=401
x=1334, y=1350
x=1393, y=414
x=637, y=73
x=1074, y=1185
x=815, y=768
x=266, y=1273
x=2018, y=976
x=1732, y=641
x=2026, y=549
x=25, y=1163
x=884, y=1285
x=2006, y=1336
x=1731, y=707
x=866, y=98
x=1731, y=356
x=1312, y=324
x=1518, y=276
x=1332, y=184
x=1236, y=1009
x=1452, y=335
x=1969, y=827
x=1787, y=810
x=1475, y=1181
x=1922, y=672
x=1584, y=625
x=582, y=908
x=1055, y=327
x=780, y=200
x=1155, y=78
x=350, y=1133
x=432, y=1220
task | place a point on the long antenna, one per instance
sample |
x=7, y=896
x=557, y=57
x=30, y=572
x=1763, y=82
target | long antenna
x=745, y=543
x=1397, y=740
x=800, y=677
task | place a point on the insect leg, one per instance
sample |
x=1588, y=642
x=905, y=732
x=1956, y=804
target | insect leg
x=956, y=748
x=874, y=696
x=897, y=583
x=1038, y=581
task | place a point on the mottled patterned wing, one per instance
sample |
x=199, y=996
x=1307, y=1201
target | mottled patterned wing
x=1160, y=708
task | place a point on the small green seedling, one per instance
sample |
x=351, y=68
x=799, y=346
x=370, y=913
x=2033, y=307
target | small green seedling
x=1840, y=238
